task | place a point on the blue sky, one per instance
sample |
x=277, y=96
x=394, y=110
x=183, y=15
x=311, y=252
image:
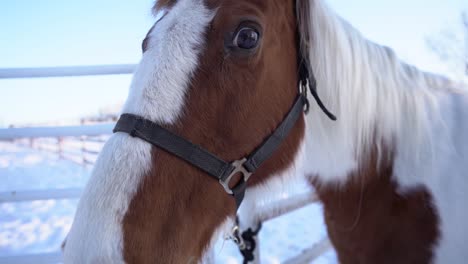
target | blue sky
x=54, y=33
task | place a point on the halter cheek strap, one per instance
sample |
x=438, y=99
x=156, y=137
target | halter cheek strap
x=204, y=160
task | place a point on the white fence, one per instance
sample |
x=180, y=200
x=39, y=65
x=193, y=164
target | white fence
x=56, y=132
x=265, y=213
x=27, y=196
x=52, y=132
x=15, y=73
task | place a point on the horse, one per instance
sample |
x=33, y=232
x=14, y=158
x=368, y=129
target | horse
x=221, y=79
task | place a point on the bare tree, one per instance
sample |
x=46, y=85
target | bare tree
x=451, y=45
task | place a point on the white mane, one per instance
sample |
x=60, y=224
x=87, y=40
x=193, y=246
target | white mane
x=376, y=97
x=380, y=100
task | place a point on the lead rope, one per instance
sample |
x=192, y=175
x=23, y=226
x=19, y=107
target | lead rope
x=249, y=236
x=245, y=241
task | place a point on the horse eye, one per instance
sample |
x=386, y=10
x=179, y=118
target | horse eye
x=247, y=38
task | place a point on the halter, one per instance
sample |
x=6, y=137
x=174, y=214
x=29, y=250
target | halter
x=215, y=167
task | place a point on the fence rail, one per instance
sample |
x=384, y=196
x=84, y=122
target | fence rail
x=49, y=258
x=70, y=71
x=272, y=210
x=37, y=195
x=285, y=206
x=55, y=132
x=312, y=253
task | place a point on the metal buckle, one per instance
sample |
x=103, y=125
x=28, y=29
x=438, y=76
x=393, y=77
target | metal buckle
x=236, y=237
x=238, y=168
x=303, y=88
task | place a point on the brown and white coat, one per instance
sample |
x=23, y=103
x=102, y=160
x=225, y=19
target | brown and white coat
x=391, y=172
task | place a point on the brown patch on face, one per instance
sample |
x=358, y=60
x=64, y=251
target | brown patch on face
x=369, y=222
x=234, y=103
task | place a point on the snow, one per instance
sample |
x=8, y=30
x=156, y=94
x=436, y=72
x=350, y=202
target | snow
x=40, y=226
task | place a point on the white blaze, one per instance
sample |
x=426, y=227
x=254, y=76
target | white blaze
x=157, y=93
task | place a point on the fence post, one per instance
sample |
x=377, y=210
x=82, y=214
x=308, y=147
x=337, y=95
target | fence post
x=83, y=144
x=60, y=147
x=83, y=149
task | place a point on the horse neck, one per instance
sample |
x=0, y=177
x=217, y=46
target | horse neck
x=372, y=93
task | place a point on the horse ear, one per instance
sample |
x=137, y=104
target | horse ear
x=162, y=4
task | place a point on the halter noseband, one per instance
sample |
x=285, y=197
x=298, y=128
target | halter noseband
x=199, y=157
x=219, y=169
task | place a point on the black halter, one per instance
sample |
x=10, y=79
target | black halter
x=221, y=170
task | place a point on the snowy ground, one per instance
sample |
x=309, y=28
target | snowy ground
x=40, y=226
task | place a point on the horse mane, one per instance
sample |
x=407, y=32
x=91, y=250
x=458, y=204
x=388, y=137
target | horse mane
x=377, y=98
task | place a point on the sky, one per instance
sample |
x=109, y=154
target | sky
x=88, y=32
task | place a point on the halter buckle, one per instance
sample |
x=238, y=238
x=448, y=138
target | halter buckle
x=238, y=168
x=236, y=237
x=303, y=88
